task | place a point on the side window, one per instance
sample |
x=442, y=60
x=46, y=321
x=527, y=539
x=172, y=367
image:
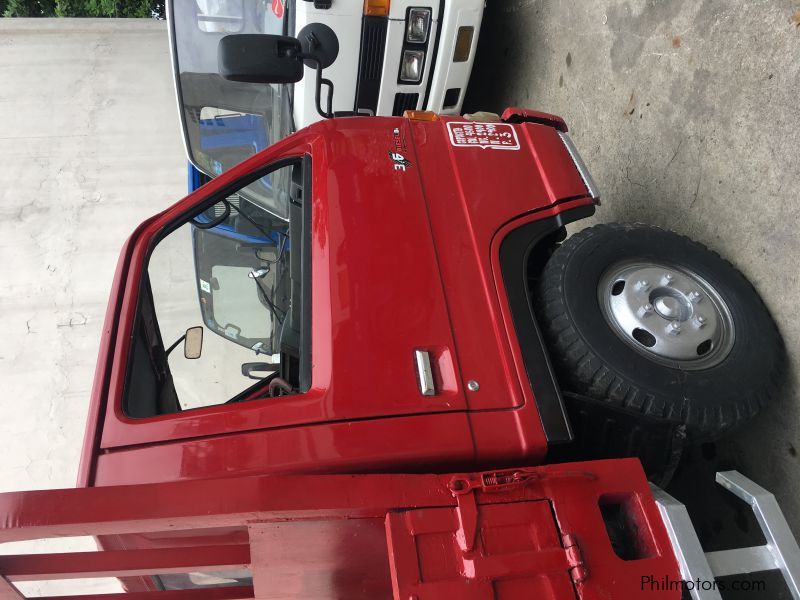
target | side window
x=220, y=308
x=228, y=137
x=220, y=16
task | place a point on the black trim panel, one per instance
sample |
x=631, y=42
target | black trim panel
x=404, y=102
x=515, y=250
x=435, y=54
x=370, y=62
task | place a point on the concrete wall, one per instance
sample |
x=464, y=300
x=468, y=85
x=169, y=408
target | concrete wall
x=90, y=145
x=688, y=115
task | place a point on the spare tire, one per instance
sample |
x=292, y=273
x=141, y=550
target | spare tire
x=647, y=319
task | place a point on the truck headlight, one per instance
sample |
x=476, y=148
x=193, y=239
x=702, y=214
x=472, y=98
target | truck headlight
x=418, y=24
x=588, y=181
x=411, y=66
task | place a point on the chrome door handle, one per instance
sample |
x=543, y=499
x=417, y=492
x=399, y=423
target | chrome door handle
x=422, y=360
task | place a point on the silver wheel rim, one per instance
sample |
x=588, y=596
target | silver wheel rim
x=667, y=313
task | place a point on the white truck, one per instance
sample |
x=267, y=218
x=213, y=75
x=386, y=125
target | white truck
x=393, y=56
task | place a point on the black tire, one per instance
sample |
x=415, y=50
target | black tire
x=591, y=357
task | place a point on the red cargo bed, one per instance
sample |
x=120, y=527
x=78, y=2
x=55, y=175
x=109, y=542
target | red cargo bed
x=509, y=535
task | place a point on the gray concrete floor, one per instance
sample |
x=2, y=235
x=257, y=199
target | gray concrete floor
x=688, y=115
x=90, y=146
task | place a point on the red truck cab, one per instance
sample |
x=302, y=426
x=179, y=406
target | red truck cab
x=406, y=265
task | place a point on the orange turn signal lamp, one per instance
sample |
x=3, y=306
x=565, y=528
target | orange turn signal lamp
x=420, y=115
x=376, y=8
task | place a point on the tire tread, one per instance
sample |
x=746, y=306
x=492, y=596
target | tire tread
x=582, y=371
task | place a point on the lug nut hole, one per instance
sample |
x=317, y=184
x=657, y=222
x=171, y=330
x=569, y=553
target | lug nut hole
x=704, y=348
x=644, y=337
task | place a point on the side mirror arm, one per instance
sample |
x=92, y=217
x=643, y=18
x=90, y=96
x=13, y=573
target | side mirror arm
x=325, y=114
x=176, y=344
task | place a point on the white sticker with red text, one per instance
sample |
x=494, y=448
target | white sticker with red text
x=470, y=134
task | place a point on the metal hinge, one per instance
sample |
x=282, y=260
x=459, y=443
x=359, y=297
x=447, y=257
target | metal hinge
x=321, y=4
x=577, y=569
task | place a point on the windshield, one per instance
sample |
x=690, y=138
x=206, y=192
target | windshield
x=225, y=122
x=242, y=273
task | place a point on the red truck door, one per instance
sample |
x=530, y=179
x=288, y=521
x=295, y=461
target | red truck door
x=312, y=271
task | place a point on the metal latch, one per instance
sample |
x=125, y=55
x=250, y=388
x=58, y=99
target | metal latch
x=499, y=481
x=321, y=4
x=492, y=481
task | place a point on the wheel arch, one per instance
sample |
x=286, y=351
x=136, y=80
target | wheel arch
x=523, y=253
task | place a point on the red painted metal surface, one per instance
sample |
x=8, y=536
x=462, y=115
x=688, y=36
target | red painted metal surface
x=472, y=207
x=423, y=240
x=431, y=442
x=91, y=436
x=511, y=535
x=471, y=194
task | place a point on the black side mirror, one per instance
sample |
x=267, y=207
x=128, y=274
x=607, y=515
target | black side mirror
x=260, y=58
x=263, y=58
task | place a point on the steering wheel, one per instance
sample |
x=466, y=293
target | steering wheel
x=214, y=222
